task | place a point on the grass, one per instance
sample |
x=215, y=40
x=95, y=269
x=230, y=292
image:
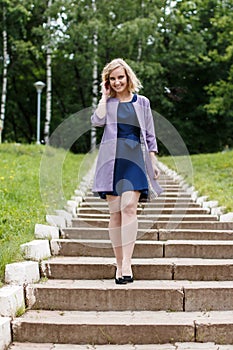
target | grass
x=212, y=175
x=20, y=194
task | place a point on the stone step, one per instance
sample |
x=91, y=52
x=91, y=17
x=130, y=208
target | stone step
x=102, y=233
x=102, y=220
x=169, y=184
x=204, y=225
x=163, y=177
x=166, y=188
x=146, y=211
x=198, y=249
x=85, y=247
x=194, y=234
x=176, y=346
x=123, y=327
x=167, y=180
x=165, y=198
x=160, y=203
x=105, y=295
x=154, y=234
x=195, y=269
x=162, y=181
x=176, y=194
x=94, y=223
x=156, y=217
x=149, y=224
x=146, y=249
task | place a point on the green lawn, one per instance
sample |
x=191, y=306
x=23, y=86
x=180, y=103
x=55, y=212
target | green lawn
x=212, y=175
x=20, y=200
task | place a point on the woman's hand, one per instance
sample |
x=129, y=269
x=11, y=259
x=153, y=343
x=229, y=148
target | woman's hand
x=105, y=89
x=156, y=172
x=155, y=165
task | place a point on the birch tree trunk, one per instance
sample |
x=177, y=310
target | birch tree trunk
x=139, y=55
x=94, y=79
x=4, y=80
x=48, y=82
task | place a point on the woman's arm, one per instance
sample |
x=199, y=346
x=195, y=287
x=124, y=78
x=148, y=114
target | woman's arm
x=98, y=118
x=101, y=109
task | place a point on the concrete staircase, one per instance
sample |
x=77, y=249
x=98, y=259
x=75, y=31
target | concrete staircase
x=182, y=297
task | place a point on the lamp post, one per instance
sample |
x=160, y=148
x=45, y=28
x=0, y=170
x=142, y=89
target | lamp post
x=39, y=85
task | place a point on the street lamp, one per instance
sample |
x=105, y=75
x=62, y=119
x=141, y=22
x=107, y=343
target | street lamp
x=39, y=85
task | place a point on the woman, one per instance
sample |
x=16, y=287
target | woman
x=123, y=173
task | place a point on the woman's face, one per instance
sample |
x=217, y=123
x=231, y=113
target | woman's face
x=118, y=80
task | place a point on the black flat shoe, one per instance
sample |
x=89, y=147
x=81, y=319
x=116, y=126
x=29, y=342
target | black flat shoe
x=128, y=279
x=120, y=280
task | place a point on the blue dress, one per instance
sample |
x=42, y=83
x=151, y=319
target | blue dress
x=129, y=169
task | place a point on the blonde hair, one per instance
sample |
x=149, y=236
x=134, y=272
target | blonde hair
x=134, y=84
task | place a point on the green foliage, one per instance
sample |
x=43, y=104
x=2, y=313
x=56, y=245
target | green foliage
x=20, y=198
x=220, y=91
x=181, y=51
x=212, y=176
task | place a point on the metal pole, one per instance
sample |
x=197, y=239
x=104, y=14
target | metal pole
x=39, y=85
x=38, y=117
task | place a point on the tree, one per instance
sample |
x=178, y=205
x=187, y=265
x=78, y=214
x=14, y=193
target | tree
x=94, y=77
x=180, y=50
x=24, y=57
x=5, y=65
x=190, y=36
x=48, y=79
x=220, y=91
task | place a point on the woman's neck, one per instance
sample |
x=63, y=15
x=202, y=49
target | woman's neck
x=125, y=96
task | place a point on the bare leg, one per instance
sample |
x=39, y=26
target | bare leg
x=115, y=230
x=129, y=226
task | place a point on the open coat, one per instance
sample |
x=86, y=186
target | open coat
x=104, y=173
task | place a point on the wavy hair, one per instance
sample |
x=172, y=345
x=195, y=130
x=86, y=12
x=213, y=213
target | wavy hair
x=134, y=84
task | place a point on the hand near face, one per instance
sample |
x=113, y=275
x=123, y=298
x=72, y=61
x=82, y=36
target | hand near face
x=105, y=90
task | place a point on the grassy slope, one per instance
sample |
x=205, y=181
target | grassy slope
x=212, y=176
x=20, y=201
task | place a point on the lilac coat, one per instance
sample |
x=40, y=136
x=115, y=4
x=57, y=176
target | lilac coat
x=104, y=173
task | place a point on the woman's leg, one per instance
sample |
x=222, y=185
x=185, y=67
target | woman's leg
x=115, y=230
x=129, y=226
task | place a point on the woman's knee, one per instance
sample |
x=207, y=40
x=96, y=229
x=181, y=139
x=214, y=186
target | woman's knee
x=129, y=209
x=114, y=204
x=129, y=204
x=115, y=218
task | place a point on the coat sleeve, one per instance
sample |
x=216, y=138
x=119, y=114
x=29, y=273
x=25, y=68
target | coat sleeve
x=150, y=130
x=96, y=121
